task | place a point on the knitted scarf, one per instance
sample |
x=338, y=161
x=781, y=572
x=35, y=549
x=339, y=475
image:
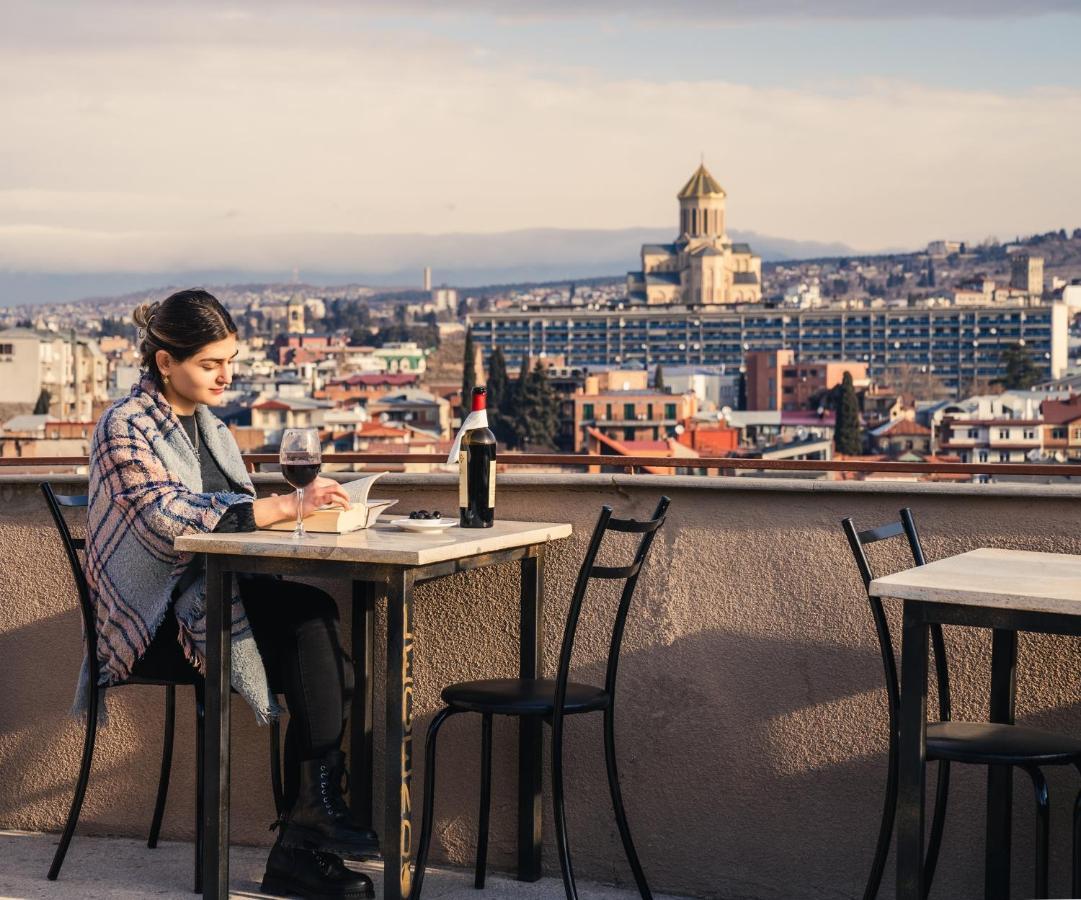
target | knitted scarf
x=145, y=486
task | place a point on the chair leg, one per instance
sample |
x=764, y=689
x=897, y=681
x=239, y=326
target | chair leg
x=1043, y=828
x=276, y=766
x=485, y=798
x=559, y=810
x=429, y=799
x=885, y=828
x=617, y=804
x=166, y=766
x=200, y=731
x=938, y=822
x=80, y=783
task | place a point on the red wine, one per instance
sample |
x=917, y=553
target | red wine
x=476, y=473
x=300, y=474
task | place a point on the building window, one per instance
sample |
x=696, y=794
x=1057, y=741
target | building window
x=1003, y=455
x=973, y=433
x=983, y=456
x=1058, y=434
x=587, y=410
x=628, y=434
x=649, y=411
x=608, y=410
x=669, y=410
x=1003, y=433
x=628, y=410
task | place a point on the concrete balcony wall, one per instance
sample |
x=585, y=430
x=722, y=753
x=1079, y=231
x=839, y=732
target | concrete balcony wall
x=751, y=716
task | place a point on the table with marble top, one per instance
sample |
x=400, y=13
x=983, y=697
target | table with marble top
x=1004, y=590
x=383, y=563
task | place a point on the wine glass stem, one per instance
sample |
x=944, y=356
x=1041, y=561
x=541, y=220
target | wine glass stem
x=300, y=512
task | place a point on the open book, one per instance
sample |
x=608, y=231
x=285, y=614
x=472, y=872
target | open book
x=333, y=519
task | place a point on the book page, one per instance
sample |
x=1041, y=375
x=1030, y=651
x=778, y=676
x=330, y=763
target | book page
x=358, y=489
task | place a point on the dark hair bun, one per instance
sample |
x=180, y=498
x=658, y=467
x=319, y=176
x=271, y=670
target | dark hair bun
x=181, y=324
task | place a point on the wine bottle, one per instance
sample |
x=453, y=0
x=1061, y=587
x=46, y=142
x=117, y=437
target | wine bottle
x=476, y=469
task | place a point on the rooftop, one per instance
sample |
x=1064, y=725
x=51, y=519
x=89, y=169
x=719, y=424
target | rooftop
x=97, y=868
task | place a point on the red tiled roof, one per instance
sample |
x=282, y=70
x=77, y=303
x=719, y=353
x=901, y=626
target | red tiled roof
x=1060, y=412
x=906, y=427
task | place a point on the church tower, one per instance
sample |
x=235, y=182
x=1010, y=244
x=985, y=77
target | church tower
x=295, y=311
x=702, y=267
x=701, y=207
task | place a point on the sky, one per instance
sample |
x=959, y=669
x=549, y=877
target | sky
x=200, y=135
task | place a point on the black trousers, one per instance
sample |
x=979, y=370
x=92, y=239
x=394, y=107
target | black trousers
x=298, y=633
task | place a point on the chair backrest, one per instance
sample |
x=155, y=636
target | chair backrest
x=590, y=570
x=858, y=541
x=57, y=503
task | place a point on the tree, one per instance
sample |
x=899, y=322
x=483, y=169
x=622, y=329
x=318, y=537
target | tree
x=1020, y=372
x=497, y=395
x=847, y=437
x=741, y=392
x=658, y=380
x=42, y=406
x=536, y=408
x=469, y=373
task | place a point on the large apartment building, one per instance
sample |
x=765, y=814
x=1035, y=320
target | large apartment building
x=956, y=345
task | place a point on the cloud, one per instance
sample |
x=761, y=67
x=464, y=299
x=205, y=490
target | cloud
x=228, y=150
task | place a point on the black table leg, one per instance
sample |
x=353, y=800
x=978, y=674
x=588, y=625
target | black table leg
x=910, y=812
x=361, y=711
x=397, y=834
x=530, y=728
x=1000, y=778
x=216, y=741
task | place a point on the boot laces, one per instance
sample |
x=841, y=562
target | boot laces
x=333, y=782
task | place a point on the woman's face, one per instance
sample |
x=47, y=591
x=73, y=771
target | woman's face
x=202, y=377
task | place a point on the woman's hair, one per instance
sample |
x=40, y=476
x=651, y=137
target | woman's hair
x=181, y=324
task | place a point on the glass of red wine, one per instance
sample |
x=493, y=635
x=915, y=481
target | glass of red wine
x=301, y=459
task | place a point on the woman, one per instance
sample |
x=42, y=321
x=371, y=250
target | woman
x=162, y=464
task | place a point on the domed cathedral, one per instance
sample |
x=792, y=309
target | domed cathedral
x=702, y=267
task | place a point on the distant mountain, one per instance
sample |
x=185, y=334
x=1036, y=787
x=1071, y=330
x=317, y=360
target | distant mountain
x=458, y=260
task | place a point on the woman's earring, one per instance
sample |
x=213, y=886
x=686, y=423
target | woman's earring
x=166, y=377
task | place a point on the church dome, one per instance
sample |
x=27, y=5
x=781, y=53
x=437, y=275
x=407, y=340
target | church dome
x=702, y=184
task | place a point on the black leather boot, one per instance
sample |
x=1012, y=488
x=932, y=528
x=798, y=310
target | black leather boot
x=314, y=875
x=320, y=820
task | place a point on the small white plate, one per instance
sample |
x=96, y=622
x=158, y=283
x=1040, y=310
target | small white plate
x=433, y=525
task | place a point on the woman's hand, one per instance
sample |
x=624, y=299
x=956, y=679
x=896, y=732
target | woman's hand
x=320, y=492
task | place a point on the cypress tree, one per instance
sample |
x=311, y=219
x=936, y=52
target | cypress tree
x=658, y=380
x=42, y=406
x=497, y=394
x=847, y=437
x=1021, y=372
x=469, y=374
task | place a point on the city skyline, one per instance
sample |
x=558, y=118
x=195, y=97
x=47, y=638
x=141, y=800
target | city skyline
x=254, y=138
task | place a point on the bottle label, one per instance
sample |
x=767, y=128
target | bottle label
x=463, y=481
x=491, y=485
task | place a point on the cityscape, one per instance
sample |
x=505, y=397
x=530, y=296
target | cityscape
x=563, y=450
x=953, y=354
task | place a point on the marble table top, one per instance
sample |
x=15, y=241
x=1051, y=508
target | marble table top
x=381, y=544
x=1010, y=579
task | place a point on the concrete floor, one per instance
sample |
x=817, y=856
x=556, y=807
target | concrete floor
x=124, y=869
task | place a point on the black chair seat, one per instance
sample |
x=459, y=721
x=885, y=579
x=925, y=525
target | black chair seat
x=523, y=697
x=990, y=744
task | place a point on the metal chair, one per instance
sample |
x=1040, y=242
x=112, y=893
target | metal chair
x=553, y=701
x=977, y=743
x=56, y=503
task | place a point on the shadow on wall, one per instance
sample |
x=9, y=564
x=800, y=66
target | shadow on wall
x=751, y=723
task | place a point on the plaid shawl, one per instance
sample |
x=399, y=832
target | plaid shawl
x=145, y=489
